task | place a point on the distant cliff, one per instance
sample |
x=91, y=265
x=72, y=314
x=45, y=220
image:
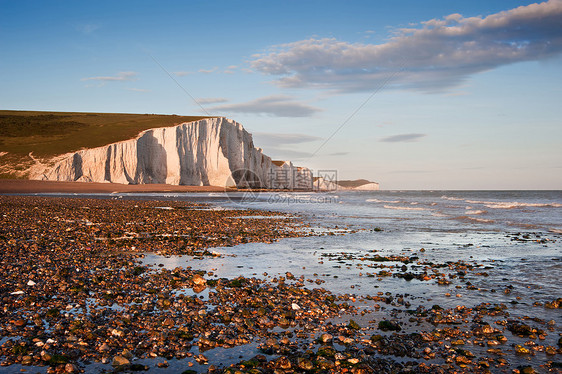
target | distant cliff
x=322, y=184
x=200, y=153
x=358, y=185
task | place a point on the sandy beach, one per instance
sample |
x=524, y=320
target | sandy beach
x=35, y=186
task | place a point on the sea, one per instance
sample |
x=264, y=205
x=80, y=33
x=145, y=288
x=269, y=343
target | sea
x=500, y=248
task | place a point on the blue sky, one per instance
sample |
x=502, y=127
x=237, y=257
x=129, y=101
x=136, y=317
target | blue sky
x=431, y=94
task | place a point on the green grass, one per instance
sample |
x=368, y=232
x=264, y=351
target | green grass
x=48, y=134
x=53, y=133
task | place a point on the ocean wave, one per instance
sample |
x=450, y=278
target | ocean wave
x=512, y=205
x=382, y=201
x=452, y=198
x=473, y=219
x=474, y=212
x=403, y=208
x=439, y=214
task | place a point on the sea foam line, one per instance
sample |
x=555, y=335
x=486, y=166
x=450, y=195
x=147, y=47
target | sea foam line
x=403, y=208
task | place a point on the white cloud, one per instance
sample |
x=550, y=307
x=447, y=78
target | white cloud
x=276, y=105
x=211, y=100
x=231, y=69
x=208, y=71
x=277, y=139
x=120, y=77
x=434, y=56
x=288, y=154
x=282, y=146
x=403, y=138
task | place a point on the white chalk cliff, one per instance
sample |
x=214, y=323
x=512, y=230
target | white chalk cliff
x=200, y=153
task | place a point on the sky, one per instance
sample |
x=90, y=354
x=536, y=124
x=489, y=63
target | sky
x=433, y=94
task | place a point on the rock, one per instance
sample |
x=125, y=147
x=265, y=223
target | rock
x=305, y=364
x=550, y=350
x=326, y=338
x=120, y=361
x=487, y=329
x=199, y=280
x=169, y=322
x=20, y=322
x=520, y=350
x=127, y=354
x=325, y=364
x=46, y=356
x=283, y=363
x=462, y=360
x=71, y=368
x=118, y=333
x=389, y=326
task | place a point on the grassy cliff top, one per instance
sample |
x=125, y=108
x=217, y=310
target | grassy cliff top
x=354, y=183
x=48, y=134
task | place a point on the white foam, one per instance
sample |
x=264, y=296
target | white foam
x=439, y=214
x=382, y=201
x=468, y=218
x=474, y=212
x=515, y=204
x=451, y=198
x=403, y=208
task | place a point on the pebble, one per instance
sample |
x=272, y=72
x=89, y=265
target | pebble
x=89, y=299
x=120, y=361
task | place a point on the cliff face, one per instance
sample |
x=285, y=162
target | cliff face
x=200, y=153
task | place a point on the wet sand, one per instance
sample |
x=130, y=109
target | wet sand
x=24, y=186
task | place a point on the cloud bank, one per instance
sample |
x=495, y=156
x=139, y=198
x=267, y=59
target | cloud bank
x=276, y=139
x=211, y=100
x=275, y=105
x=403, y=138
x=437, y=55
